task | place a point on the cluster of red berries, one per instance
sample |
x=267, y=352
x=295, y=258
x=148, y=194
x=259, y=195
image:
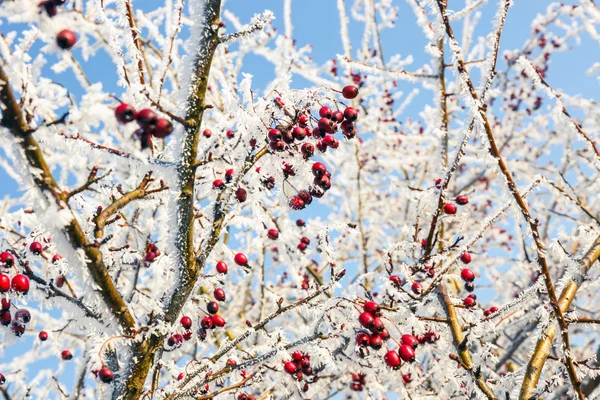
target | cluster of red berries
x=450, y=208
x=299, y=366
x=369, y=319
x=490, y=311
x=152, y=252
x=406, y=352
x=304, y=242
x=358, y=381
x=149, y=122
x=22, y=318
x=244, y=396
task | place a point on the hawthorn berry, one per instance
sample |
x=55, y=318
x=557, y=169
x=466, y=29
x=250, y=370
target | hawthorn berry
x=384, y=334
x=467, y=275
x=299, y=133
x=351, y=114
x=147, y=119
x=163, y=128
x=417, y=288
x=392, y=359
x=56, y=258
x=300, y=223
x=449, y=209
x=218, y=321
x=494, y=309
x=319, y=169
x=350, y=92
x=363, y=339
x=396, y=280
x=125, y=113
x=5, y=304
x=36, y=248
x=407, y=353
x=462, y=200
x=325, y=112
x=17, y=328
x=366, y=319
x=230, y=134
x=218, y=184
x=219, y=294
x=241, y=259
x=207, y=133
x=272, y=234
x=5, y=317
x=43, y=336
x=4, y=283
x=222, y=267
x=376, y=341
x=206, y=323
x=105, y=374
x=66, y=39
x=469, y=302
x=241, y=195
x=372, y=307
x=296, y=203
x=186, y=322
x=308, y=150
x=229, y=175
x=409, y=340
x=7, y=259
x=22, y=316
x=180, y=376
x=377, y=325
x=290, y=367
x=20, y=283
x=66, y=355
x=469, y=286
x=465, y=257
x=212, y=307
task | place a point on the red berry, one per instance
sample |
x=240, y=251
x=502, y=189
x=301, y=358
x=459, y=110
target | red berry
x=241, y=259
x=494, y=309
x=303, y=119
x=466, y=257
x=462, y=200
x=56, y=258
x=221, y=267
x=469, y=302
x=406, y=378
x=299, y=133
x=164, y=128
x=467, y=275
x=377, y=325
x=376, y=341
x=7, y=259
x=186, y=322
x=300, y=223
x=469, y=286
x=487, y=313
x=308, y=150
x=50, y=8
x=366, y=319
x=23, y=316
x=409, y=340
x=319, y=169
x=396, y=280
x=325, y=112
x=212, y=307
x=20, y=283
x=206, y=323
x=272, y=234
x=371, y=307
x=241, y=195
x=296, y=203
x=180, y=376
x=66, y=39
x=274, y=135
x=363, y=339
x=449, y=208
x=229, y=175
x=384, y=334
x=219, y=294
x=230, y=134
x=5, y=317
x=290, y=367
x=36, y=248
x=297, y=356
x=218, y=184
x=417, y=288
x=4, y=283
x=207, y=133
x=18, y=329
x=325, y=124
x=392, y=359
x=351, y=114
x=125, y=113
x=5, y=304
x=331, y=142
x=407, y=353
x=350, y=92
x=218, y=321
x=43, y=336
x=66, y=355
x=105, y=374
x=357, y=387
x=305, y=240
x=147, y=119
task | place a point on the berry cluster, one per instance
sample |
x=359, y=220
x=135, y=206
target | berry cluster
x=358, y=381
x=152, y=252
x=369, y=319
x=19, y=284
x=298, y=367
x=450, y=208
x=149, y=122
x=406, y=352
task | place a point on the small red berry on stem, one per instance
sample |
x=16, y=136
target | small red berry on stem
x=465, y=257
x=241, y=259
x=125, y=113
x=212, y=307
x=462, y=200
x=7, y=259
x=20, y=283
x=350, y=92
x=222, y=267
x=66, y=355
x=66, y=39
x=407, y=353
x=186, y=322
x=164, y=128
x=105, y=374
x=36, y=248
x=43, y=336
x=219, y=294
x=241, y=195
x=366, y=319
x=272, y=234
x=409, y=340
x=449, y=209
x=467, y=275
x=392, y=359
x=417, y=288
x=4, y=283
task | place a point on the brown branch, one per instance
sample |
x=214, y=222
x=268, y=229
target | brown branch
x=13, y=119
x=101, y=220
x=92, y=178
x=227, y=388
x=135, y=34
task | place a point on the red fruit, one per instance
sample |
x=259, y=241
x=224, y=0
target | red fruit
x=4, y=283
x=319, y=169
x=18, y=329
x=125, y=113
x=350, y=92
x=5, y=317
x=207, y=133
x=308, y=150
x=469, y=302
x=331, y=142
x=438, y=183
x=66, y=355
x=376, y=341
x=187, y=335
x=186, y=322
x=449, y=208
x=7, y=259
x=363, y=339
x=299, y=133
x=396, y=280
x=487, y=313
x=36, y=248
x=180, y=376
x=406, y=378
x=290, y=367
x=43, y=336
x=323, y=182
x=219, y=294
x=417, y=288
x=371, y=307
x=241, y=259
x=300, y=223
x=377, y=325
x=303, y=119
x=241, y=195
x=23, y=316
x=66, y=39
x=221, y=267
x=274, y=135
x=325, y=112
x=278, y=146
x=494, y=309
x=105, y=374
x=288, y=136
x=229, y=175
x=218, y=321
x=147, y=119
x=50, y=8
x=410, y=340
x=5, y=304
x=392, y=359
x=305, y=196
x=164, y=128
x=212, y=307
x=337, y=116
x=325, y=124
x=272, y=234
x=305, y=240
x=466, y=257
x=384, y=334
x=218, y=184
x=357, y=387
x=296, y=203
x=467, y=275
x=206, y=323
x=56, y=258
x=20, y=283
x=462, y=200
x=366, y=319
x=407, y=353
x=469, y=286
x=230, y=134
x=351, y=114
